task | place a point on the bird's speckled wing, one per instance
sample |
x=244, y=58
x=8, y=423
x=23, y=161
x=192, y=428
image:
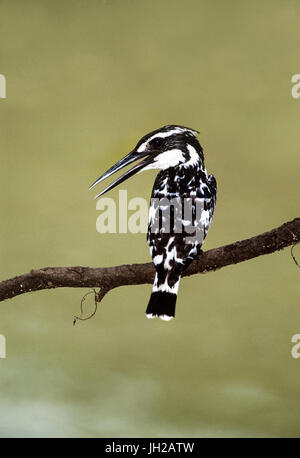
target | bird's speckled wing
x=172, y=252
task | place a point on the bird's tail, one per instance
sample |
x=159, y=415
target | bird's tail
x=162, y=301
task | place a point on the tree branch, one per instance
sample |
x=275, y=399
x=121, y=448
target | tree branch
x=108, y=278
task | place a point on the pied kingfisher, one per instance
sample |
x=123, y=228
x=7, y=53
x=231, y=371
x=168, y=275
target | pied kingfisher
x=175, y=240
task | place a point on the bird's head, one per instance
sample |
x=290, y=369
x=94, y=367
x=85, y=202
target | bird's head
x=170, y=146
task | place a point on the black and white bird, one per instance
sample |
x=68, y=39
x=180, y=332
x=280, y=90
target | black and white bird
x=177, y=230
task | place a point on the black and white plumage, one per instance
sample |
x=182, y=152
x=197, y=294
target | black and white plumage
x=181, y=209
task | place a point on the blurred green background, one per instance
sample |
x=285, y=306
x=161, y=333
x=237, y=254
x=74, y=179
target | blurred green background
x=85, y=80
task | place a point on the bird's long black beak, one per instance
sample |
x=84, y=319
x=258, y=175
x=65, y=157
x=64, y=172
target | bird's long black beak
x=131, y=157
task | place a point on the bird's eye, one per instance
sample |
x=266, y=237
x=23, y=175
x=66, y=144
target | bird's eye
x=156, y=142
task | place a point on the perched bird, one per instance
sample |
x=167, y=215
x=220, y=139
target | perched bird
x=181, y=209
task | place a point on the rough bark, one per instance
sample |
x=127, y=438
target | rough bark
x=108, y=278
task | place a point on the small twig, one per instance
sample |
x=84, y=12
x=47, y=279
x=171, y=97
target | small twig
x=98, y=296
x=293, y=256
